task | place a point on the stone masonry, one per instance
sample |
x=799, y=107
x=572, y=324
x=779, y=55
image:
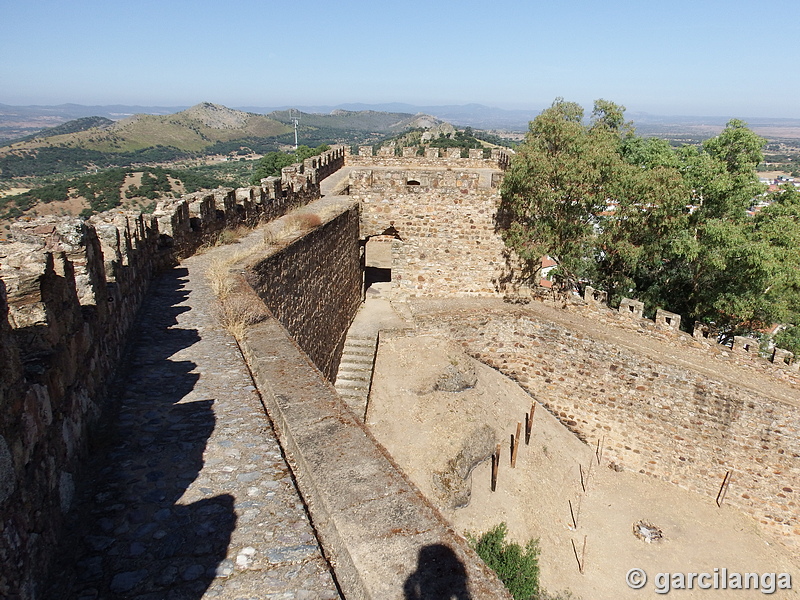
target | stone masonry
x=671, y=413
x=673, y=406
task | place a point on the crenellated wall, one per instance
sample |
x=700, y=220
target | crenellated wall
x=744, y=352
x=432, y=157
x=443, y=212
x=69, y=291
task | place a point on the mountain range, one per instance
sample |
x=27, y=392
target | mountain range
x=198, y=128
x=19, y=121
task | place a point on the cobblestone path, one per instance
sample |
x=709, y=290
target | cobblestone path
x=190, y=497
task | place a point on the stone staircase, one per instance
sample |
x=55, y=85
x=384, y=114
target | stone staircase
x=355, y=371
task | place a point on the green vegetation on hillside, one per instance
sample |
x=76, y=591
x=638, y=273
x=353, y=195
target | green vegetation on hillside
x=73, y=126
x=782, y=156
x=205, y=129
x=460, y=139
x=59, y=160
x=639, y=218
x=103, y=190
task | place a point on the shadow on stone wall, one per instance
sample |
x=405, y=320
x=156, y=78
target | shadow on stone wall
x=440, y=575
x=129, y=537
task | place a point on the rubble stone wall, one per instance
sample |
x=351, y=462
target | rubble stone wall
x=69, y=291
x=685, y=421
x=313, y=287
x=447, y=241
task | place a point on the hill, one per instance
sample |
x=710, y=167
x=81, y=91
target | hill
x=204, y=129
x=74, y=126
x=191, y=130
x=362, y=120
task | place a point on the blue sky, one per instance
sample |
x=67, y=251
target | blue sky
x=702, y=57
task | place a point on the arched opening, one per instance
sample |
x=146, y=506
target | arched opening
x=412, y=182
x=378, y=257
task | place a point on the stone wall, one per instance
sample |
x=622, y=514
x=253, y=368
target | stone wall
x=433, y=157
x=741, y=352
x=670, y=414
x=69, y=291
x=445, y=220
x=313, y=287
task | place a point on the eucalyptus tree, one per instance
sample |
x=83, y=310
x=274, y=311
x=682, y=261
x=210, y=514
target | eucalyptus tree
x=637, y=217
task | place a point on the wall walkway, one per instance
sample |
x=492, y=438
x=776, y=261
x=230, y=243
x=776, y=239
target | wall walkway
x=192, y=497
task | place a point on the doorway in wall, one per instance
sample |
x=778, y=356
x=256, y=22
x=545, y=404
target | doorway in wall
x=376, y=275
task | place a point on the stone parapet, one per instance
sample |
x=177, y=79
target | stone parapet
x=313, y=287
x=433, y=157
x=666, y=326
x=668, y=319
x=383, y=538
x=69, y=290
x=631, y=308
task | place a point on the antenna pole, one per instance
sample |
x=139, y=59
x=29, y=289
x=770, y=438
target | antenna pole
x=294, y=120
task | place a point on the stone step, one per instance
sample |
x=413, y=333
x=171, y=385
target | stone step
x=350, y=395
x=351, y=375
x=355, y=365
x=356, y=362
x=355, y=385
x=360, y=342
x=359, y=351
x=355, y=371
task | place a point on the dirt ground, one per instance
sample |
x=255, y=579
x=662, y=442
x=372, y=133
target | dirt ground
x=424, y=428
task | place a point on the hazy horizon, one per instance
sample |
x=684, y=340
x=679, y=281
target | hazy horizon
x=715, y=59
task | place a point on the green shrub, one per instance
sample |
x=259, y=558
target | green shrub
x=518, y=569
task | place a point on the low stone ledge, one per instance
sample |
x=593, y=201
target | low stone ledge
x=373, y=523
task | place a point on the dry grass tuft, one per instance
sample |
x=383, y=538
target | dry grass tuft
x=218, y=275
x=240, y=311
x=231, y=236
x=240, y=307
x=305, y=221
x=281, y=230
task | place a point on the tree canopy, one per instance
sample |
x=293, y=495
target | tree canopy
x=638, y=218
x=271, y=163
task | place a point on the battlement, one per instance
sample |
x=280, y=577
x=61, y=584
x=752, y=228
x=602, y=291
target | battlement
x=69, y=291
x=744, y=351
x=457, y=158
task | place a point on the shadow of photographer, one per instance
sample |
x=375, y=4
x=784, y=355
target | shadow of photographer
x=440, y=575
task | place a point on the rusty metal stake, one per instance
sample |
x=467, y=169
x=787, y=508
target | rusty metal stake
x=583, y=484
x=723, y=489
x=572, y=512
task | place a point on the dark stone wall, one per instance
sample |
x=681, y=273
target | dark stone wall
x=313, y=287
